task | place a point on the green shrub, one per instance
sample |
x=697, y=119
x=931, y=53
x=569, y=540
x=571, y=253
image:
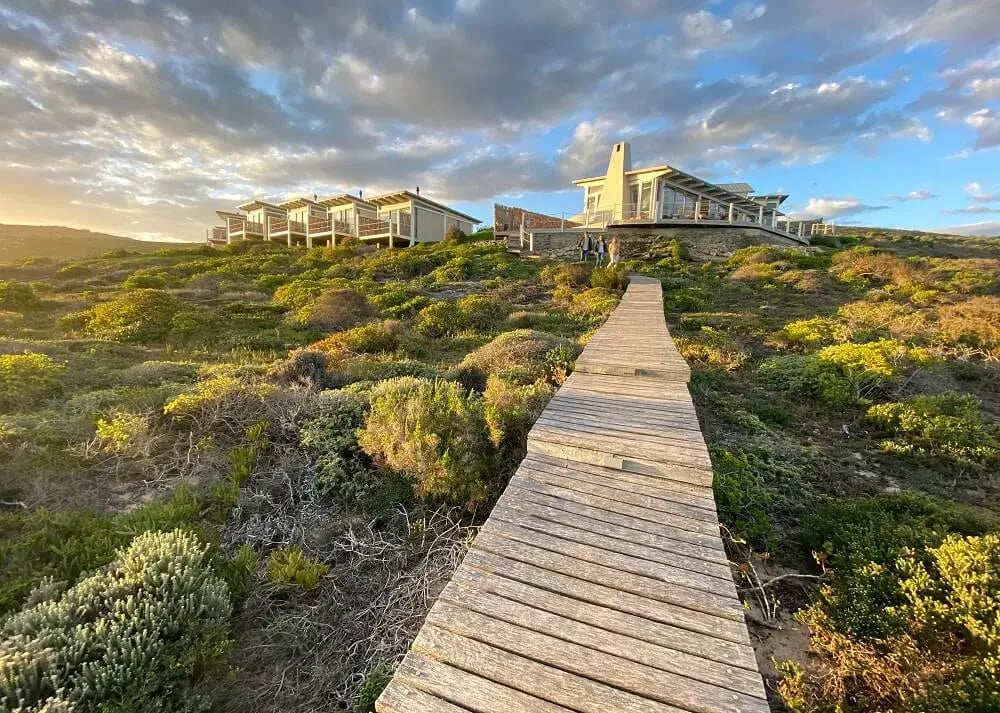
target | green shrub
x=454, y=234
x=714, y=349
x=26, y=379
x=948, y=424
x=74, y=269
x=336, y=309
x=17, y=296
x=612, y=277
x=381, y=368
x=595, y=302
x=511, y=410
x=148, y=277
x=438, y=319
x=455, y=270
x=343, y=471
x=840, y=374
x=481, y=312
x=811, y=332
x=433, y=433
x=302, y=367
x=743, y=499
x=194, y=325
x=375, y=682
x=223, y=404
x=375, y=338
x=686, y=299
x=567, y=273
x=290, y=567
x=138, y=316
x=143, y=634
x=522, y=356
x=154, y=373
x=940, y=657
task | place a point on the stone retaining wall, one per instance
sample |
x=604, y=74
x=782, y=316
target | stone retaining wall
x=703, y=243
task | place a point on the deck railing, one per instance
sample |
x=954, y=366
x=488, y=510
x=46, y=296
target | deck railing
x=218, y=234
x=398, y=225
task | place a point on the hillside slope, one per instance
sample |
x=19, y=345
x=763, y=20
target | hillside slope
x=18, y=242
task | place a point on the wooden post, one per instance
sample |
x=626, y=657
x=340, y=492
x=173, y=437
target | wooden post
x=697, y=208
x=730, y=212
x=760, y=216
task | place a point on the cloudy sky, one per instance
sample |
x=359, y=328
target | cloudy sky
x=142, y=117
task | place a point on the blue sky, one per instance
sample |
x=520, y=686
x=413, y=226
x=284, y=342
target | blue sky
x=143, y=117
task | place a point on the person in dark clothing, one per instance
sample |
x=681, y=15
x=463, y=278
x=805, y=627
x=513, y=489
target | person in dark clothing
x=584, y=244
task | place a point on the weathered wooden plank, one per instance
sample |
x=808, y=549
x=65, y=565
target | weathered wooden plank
x=524, y=673
x=625, y=646
x=622, y=426
x=610, y=570
x=695, y=496
x=612, y=670
x=697, y=557
x=635, y=447
x=624, y=516
x=691, y=589
x=681, y=516
x=398, y=697
x=535, y=517
x=469, y=690
x=567, y=602
x=563, y=448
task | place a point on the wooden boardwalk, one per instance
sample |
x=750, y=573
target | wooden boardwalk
x=599, y=582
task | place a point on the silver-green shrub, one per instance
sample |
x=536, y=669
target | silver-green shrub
x=139, y=635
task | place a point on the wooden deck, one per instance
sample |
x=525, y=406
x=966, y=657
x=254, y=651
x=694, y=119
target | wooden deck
x=599, y=582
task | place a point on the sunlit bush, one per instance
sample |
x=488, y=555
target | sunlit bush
x=144, y=632
x=511, y=410
x=290, y=567
x=522, y=356
x=375, y=338
x=948, y=424
x=612, y=277
x=713, y=348
x=595, y=302
x=17, y=296
x=336, y=309
x=221, y=403
x=974, y=322
x=28, y=378
x=137, y=316
x=302, y=367
x=433, y=433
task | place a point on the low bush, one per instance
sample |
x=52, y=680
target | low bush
x=194, y=326
x=344, y=471
x=612, y=277
x=974, y=322
x=810, y=332
x=438, y=319
x=139, y=316
x=17, y=296
x=941, y=653
x=336, y=309
x=481, y=312
x=511, y=410
x=840, y=374
x=574, y=274
x=222, y=404
x=743, y=499
x=148, y=277
x=375, y=338
x=146, y=631
x=303, y=367
x=713, y=348
x=948, y=424
x=433, y=433
x=26, y=379
x=596, y=302
x=686, y=299
x=154, y=373
x=290, y=567
x=522, y=356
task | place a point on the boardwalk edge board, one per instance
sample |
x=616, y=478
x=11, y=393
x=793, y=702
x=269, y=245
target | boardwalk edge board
x=600, y=581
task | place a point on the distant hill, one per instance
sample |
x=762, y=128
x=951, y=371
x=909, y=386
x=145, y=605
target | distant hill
x=22, y=241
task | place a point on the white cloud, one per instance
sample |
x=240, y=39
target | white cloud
x=976, y=192
x=837, y=207
x=911, y=196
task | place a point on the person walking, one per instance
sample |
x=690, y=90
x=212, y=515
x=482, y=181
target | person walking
x=601, y=248
x=584, y=244
x=614, y=251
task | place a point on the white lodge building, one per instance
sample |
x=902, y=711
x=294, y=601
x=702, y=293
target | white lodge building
x=666, y=195
x=399, y=218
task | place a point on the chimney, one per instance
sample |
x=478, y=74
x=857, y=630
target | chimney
x=418, y=190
